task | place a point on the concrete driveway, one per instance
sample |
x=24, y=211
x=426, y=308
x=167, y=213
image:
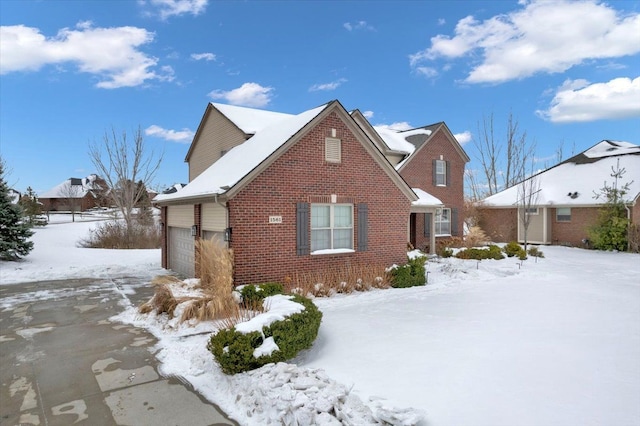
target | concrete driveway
x=62, y=361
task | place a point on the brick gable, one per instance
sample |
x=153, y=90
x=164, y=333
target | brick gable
x=265, y=252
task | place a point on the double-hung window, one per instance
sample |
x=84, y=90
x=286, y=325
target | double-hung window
x=441, y=173
x=331, y=226
x=443, y=222
x=563, y=214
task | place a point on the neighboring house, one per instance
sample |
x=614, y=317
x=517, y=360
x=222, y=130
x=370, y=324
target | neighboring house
x=78, y=194
x=301, y=193
x=14, y=196
x=566, y=206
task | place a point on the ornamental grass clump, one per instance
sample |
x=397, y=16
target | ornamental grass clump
x=345, y=279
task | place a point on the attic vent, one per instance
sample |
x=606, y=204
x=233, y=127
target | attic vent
x=573, y=195
x=332, y=150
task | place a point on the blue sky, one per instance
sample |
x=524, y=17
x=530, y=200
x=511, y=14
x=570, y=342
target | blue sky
x=569, y=71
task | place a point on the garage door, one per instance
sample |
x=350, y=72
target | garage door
x=181, y=248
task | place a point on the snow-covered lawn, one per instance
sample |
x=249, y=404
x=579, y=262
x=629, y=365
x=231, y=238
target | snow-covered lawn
x=553, y=342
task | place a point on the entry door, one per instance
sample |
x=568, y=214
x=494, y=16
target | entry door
x=412, y=229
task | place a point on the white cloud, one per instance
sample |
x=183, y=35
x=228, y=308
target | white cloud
x=463, y=137
x=110, y=53
x=182, y=136
x=427, y=71
x=168, y=8
x=398, y=126
x=541, y=36
x=360, y=25
x=203, y=56
x=579, y=101
x=368, y=115
x=327, y=86
x=249, y=94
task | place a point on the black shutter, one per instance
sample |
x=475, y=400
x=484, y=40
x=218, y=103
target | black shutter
x=434, y=174
x=427, y=224
x=302, y=229
x=363, y=227
x=447, y=181
x=454, y=222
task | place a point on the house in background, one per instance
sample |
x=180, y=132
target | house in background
x=77, y=194
x=301, y=193
x=566, y=206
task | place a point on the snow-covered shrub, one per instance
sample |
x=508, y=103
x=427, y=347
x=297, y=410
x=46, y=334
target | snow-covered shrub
x=491, y=252
x=535, y=252
x=237, y=350
x=514, y=249
x=256, y=293
x=410, y=274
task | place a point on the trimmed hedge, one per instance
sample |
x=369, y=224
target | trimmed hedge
x=514, y=249
x=491, y=252
x=234, y=350
x=256, y=293
x=409, y=275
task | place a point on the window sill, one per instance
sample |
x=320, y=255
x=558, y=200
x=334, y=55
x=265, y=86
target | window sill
x=332, y=251
x=443, y=235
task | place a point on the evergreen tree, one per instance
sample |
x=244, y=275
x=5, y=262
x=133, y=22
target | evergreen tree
x=13, y=232
x=611, y=230
x=32, y=208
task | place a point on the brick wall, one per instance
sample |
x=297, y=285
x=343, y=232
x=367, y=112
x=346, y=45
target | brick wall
x=499, y=224
x=418, y=173
x=265, y=252
x=573, y=232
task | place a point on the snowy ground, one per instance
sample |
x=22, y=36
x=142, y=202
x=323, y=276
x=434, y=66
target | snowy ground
x=555, y=342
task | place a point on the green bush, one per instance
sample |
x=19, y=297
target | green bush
x=535, y=252
x=491, y=252
x=514, y=249
x=409, y=275
x=234, y=350
x=256, y=293
x=446, y=252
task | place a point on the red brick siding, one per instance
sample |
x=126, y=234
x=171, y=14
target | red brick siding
x=573, y=232
x=499, y=224
x=418, y=173
x=265, y=252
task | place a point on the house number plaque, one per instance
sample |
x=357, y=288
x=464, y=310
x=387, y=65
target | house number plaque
x=275, y=219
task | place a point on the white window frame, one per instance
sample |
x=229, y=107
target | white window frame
x=439, y=222
x=332, y=150
x=563, y=217
x=441, y=173
x=331, y=228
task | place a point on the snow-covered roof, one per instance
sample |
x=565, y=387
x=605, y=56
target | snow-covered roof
x=72, y=188
x=425, y=199
x=574, y=181
x=250, y=120
x=242, y=159
x=396, y=140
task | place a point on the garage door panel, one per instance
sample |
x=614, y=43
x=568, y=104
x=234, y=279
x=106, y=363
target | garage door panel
x=181, y=251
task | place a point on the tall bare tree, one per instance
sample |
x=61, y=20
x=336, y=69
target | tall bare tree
x=528, y=196
x=72, y=195
x=124, y=162
x=503, y=162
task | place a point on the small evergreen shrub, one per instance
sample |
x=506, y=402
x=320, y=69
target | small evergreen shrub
x=514, y=249
x=256, y=293
x=491, y=252
x=234, y=350
x=535, y=252
x=409, y=275
x=446, y=252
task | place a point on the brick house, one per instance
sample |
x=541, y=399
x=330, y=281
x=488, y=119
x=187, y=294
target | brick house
x=299, y=193
x=566, y=206
x=77, y=194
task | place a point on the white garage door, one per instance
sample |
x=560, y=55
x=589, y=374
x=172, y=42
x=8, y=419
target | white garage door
x=181, y=248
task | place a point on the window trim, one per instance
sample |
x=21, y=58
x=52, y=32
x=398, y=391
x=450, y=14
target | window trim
x=532, y=211
x=331, y=249
x=563, y=217
x=443, y=173
x=438, y=223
